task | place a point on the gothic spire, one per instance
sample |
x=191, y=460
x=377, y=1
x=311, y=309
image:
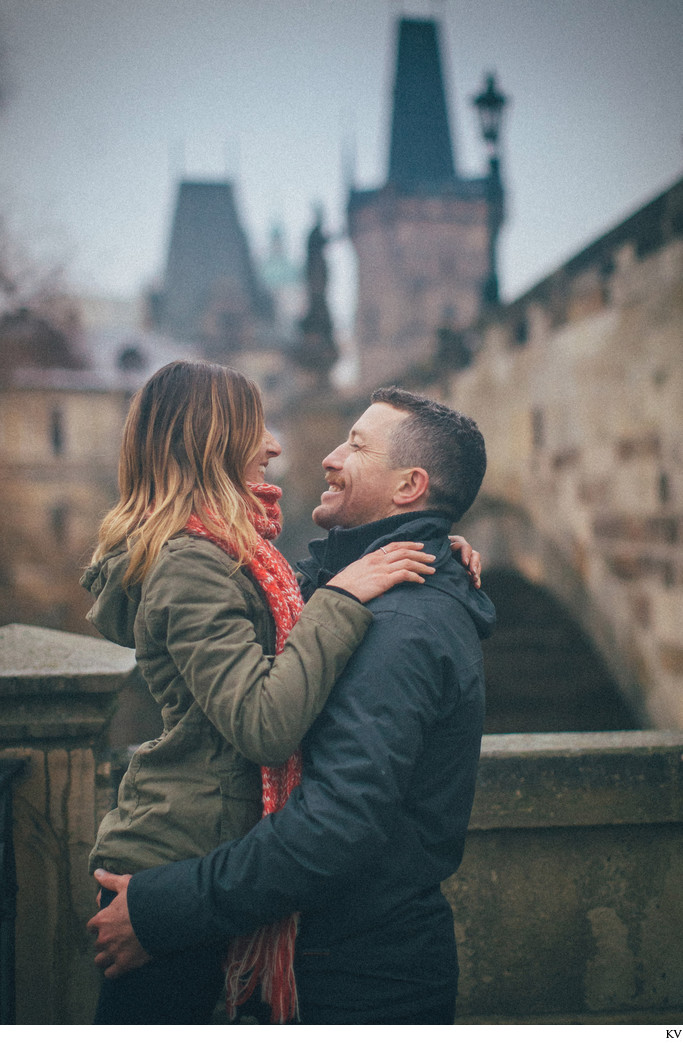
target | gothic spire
x=421, y=149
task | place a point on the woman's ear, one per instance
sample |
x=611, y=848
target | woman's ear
x=412, y=488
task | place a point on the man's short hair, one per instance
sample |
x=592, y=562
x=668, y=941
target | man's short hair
x=446, y=443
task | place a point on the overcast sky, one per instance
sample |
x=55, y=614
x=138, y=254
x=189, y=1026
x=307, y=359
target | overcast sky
x=108, y=102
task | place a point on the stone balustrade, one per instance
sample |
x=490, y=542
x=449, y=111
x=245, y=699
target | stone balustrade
x=568, y=906
x=57, y=694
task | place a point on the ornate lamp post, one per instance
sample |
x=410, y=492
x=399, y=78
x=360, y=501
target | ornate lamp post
x=489, y=105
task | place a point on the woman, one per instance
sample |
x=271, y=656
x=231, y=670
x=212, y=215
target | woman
x=185, y=573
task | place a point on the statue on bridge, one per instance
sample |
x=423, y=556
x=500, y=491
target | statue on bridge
x=316, y=351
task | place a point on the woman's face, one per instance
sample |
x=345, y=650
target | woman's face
x=256, y=468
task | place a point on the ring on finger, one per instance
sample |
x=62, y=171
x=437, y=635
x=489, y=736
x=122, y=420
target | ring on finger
x=383, y=550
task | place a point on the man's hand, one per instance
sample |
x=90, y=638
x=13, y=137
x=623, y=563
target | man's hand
x=469, y=558
x=118, y=949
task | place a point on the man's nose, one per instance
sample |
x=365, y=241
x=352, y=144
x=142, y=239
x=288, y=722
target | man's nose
x=334, y=460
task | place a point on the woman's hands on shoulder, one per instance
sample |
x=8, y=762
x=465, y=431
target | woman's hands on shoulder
x=383, y=569
x=403, y=562
x=468, y=557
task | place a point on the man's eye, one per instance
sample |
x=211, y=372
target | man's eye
x=354, y=445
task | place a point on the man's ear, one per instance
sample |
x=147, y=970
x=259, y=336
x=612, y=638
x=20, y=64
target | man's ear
x=412, y=488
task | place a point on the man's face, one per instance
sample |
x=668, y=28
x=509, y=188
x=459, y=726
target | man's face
x=361, y=482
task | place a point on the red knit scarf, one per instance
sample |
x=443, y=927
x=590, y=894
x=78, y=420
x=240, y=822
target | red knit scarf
x=267, y=955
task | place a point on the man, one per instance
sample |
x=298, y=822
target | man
x=380, y=817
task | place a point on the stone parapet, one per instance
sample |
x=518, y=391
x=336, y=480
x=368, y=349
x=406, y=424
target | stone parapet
x=568, y=905
x=55, y=685
x=57, y=694
x=573, y=779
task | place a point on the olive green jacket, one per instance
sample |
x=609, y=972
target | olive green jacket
x=205, y=643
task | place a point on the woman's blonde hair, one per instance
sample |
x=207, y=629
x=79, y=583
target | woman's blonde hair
x=190, y=433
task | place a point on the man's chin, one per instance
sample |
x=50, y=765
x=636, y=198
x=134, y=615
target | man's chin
x=321, y=517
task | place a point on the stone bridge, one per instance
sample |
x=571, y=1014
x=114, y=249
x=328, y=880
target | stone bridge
x=578, y=388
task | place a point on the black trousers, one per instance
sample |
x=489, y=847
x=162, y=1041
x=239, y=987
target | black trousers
x=180, y=989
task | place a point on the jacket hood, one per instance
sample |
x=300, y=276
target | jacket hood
x=114, y=611
x=454, y=580
x=342, y=546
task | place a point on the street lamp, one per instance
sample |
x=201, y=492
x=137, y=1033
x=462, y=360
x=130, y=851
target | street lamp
x=489, y=105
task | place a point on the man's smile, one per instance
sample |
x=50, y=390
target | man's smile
x=334, y=487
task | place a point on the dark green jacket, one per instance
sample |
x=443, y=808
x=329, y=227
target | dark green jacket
x=205, y=642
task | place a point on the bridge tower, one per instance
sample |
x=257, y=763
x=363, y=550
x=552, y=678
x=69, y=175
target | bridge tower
x=423, y=240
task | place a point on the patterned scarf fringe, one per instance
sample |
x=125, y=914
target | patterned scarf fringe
x=266, y=956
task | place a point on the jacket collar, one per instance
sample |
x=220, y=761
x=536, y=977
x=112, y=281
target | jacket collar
x=342, y=546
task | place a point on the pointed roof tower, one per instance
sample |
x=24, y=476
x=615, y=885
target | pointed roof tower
x=208, y=255
x=421, y=148
x=425, y=240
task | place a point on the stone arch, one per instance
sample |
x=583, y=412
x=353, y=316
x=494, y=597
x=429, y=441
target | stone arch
x=542, y=673
x=527, y=572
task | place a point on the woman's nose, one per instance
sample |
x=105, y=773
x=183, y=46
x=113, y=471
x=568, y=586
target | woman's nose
x=273, y=447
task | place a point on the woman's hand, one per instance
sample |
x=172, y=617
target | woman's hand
x=468, y=557
x=378, y=572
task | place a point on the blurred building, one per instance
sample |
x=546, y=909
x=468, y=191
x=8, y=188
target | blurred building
x=29, y=339
x=60, y=432
x=424, y=240
x=65, y=390
x=211, y=291
x=64, y=395
x=212, y=294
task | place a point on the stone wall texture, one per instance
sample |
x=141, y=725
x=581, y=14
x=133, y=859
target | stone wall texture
x=568, y=905
x=421, y=265
x=578, y=390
